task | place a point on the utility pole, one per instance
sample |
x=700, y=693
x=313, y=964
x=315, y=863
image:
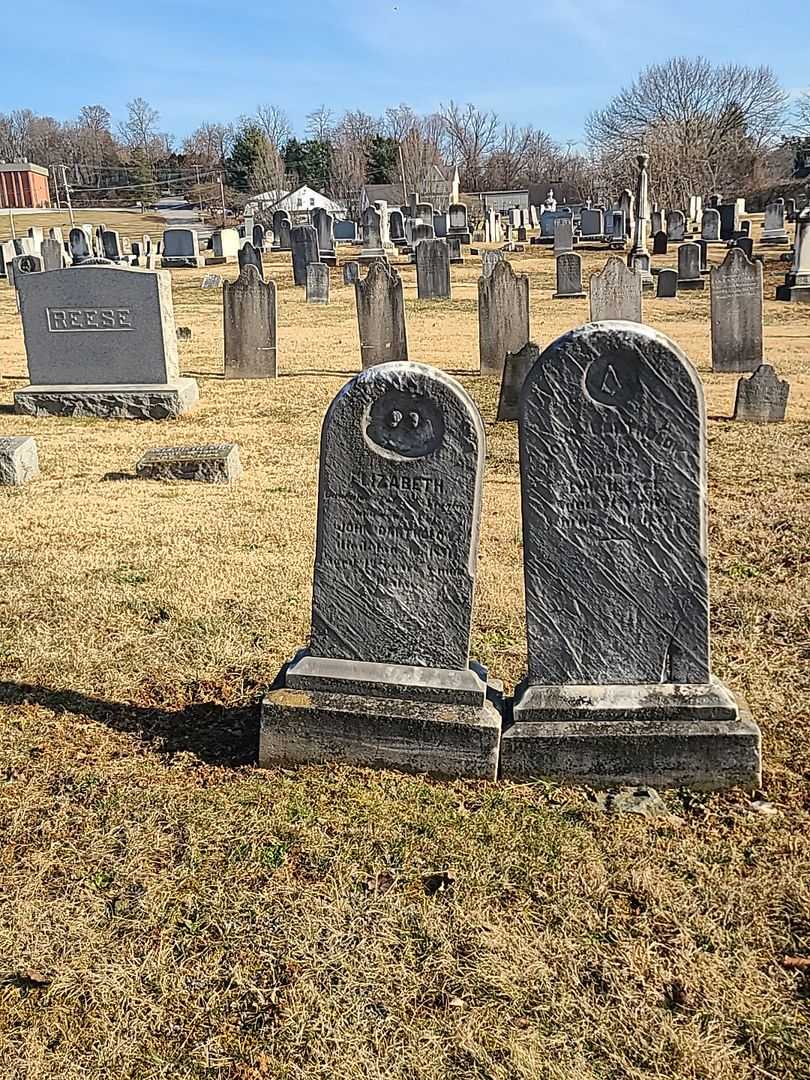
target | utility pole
x=55, y=176
x=67, y=196
x=199, y=189
x=222, y=195
x=402, y=173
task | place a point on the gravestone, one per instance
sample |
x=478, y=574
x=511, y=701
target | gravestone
x=111, y=246
x=458, y=226
x=615, y=293
x=181, y=249
x=225, y=243
x=667, y=287
x=762, y=398
x=773, y=229
x=396, y=229
x=736, y=306
x=657, y=222
x=454, y=250
x=248, y=255
x=79, y=246
x=211, y=281
x=432, y=270
x=689, y=276
x=440, y=226
x=249, y=310
x=53, y=255
x=371, y=224
x=304, y=242
x=710, y=226
x=257, y=236
x=676, y=226
x=217, y=463
x=101, y=341
x=317, y=283
x=489, y=260
x=351, y=272
x=522, y=234
x=563, y=235
x=515, y=369
x=345, y=232
x=420, y=232
x=324, y=224
x=729, y=220
x=627, y=207
x=660, y=243
x=591, y=223
x=19, y=461
x=569, y=276
x=797, y=283
x=387, y=679
x=381, y=316
x=704, y=255
x=281, y=231
x=746, y=244
x=619, y=689
x=503, y=316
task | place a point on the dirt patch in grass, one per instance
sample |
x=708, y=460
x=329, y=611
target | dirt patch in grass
x=169, y=910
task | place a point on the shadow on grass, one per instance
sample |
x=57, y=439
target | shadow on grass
x=216, y=734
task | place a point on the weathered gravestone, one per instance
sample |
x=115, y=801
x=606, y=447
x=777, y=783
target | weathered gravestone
x=19, y=460
x=503, y=316
x=381, y=316
x=396, y=229
x=515, y=369
x=773, y=229
x=249, y=306
x=676, y=226
x=762, y=398
x=211, y=281
x=454, y=250
x=317, y=283
x=282, y=229
x=248, y=255
x=324, y=224
x=736, y=305
x=689, y=276
x=351, y=272
x=710, y=226
x=111, y=245
x=371, y=224
x=619, y=687
x=181, y=249
x=569, y=276
x=257, y=236
x=304, y=242
x=667, y=287
x=563, y=235
x=432, y=270
x=458, y=226
x=660, y=243
x=387, y=679
x=53, y=255
x=101, y=341
x=489, y=260
x=615, y=293
x=217, y=463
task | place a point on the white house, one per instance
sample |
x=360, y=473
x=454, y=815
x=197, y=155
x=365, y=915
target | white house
x=299, y=201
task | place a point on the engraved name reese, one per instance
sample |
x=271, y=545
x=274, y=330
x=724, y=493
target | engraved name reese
x=79, y=319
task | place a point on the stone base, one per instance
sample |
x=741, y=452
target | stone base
x=220, y=260
x=382, y=716
x=796, y=294
x=774, y=239
x=275, y=249
x=190, y=262
x=609, y=736
x=368, y=255
x=141, y=401
x=462, y=237
x=693, y=284
x=568, y=295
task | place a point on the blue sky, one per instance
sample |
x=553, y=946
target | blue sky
x=212, y=61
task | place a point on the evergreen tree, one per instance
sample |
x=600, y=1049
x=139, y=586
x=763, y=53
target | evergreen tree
x=249, y=149
x=383, y=164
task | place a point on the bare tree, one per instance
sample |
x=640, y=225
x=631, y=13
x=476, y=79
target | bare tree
x=704, y=126
x=275, y=124
x=139, y=132
x=419, y=140
x=802, y=115
x=208, y=144
x=470, y=136
x=320, y=124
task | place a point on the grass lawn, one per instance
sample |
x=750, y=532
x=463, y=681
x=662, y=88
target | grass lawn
x=127, y=222
x=168, y=910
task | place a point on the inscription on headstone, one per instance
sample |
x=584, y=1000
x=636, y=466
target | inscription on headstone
x=249, y=306
x=615, y=293
x=762, y=398
x=736, y=306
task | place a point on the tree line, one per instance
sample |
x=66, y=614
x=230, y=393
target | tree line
x=707, y=127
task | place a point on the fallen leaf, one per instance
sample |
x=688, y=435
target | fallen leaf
x=796, y=963
x=438, y=882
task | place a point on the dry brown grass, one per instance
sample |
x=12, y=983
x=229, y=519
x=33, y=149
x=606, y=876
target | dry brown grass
x=168, y=910
x=128, y=222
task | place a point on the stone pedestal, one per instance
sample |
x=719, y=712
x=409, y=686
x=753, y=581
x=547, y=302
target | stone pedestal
x=425, y=720
x=145, y=401
x=608, y=736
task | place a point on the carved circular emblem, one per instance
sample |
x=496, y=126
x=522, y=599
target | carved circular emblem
x=612, y=379
x=404, y=424
x=28, y=264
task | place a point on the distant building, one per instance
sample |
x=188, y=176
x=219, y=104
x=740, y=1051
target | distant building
x=300, y=201
x=23, y=185
x=504, y=200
